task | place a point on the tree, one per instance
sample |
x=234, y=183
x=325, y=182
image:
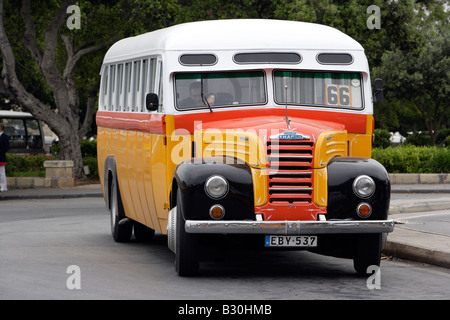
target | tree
x=64, y=120
x=53, y=53
x=421, y=77
x=195, y=10
x=409, y=52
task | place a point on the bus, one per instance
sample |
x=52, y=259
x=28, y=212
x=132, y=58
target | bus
x=25, y=132
x=252, y=130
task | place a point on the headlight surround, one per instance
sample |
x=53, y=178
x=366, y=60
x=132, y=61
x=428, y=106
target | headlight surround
x=364, y=186
x=216, y=187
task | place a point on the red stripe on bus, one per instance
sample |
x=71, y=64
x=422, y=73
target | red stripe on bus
x=354, y=123
x=144, y=122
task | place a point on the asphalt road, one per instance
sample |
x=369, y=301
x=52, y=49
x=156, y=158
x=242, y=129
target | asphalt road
x=50, y=246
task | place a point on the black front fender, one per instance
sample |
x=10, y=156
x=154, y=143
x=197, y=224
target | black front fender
x=342, y=201
x=189, y=180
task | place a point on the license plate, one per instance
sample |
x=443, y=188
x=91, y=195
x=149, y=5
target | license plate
x=290, y=241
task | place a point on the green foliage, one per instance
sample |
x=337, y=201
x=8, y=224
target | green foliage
x=418, y=139
x=30, y=165
x=381, y=138
x=88, y=148
x=443, y=137
x=197, y=10
x=412, y=159
x=33, y=165
x=418, y=76
x=91, y=162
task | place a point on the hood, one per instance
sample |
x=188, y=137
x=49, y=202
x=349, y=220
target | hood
x=266, y=125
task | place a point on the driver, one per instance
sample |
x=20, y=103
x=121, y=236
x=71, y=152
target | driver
x=195, y=97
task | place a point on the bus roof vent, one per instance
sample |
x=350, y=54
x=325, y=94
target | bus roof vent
x=335, y=58
x=198, y=59
x=267, y=57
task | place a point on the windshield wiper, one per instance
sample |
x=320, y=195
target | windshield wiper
x=204, y=99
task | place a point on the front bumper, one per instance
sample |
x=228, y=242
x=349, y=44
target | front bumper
x=289, y=227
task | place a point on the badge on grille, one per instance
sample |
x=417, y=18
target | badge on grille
x=289, y=135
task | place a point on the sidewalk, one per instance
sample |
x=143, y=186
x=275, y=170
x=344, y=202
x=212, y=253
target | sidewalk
x=82, y=191
x=421, y=233
x=422, y=230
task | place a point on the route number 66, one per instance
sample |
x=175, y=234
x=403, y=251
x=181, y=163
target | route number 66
x=338, y=95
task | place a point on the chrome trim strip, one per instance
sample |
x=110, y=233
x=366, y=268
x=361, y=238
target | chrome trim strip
x=292, y=173
x=291, y=189
x=291, y=157
x=289, y=227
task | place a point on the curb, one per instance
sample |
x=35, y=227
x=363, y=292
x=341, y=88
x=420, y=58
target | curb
x=419, y=207
x=419, y=178
x=413, y=253
x=412, y=190
x=51, y=196
x=419, y=246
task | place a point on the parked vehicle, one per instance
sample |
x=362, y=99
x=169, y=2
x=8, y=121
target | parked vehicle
x=25, y=132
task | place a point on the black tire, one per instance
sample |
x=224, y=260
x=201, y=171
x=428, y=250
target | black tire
x=368, y=252
x=143, y=233
x=121, y=227
x=187, y=247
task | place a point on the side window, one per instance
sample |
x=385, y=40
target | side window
x=112, y=89
x=144, y=82
x=160, y=87
x=124, y=86
x=149, y=83
x=15, y=129
x=119, y=87
x=127, y=87
x=33, y=134
x=104, y=88
x=136, y=101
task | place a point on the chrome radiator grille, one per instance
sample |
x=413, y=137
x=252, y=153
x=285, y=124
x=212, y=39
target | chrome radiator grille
x=290, y=171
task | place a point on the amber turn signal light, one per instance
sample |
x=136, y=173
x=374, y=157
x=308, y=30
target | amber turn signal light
x=217, y=211
x=364, y=210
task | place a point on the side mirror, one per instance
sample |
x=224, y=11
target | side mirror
x=151, y=101
x=378, y=88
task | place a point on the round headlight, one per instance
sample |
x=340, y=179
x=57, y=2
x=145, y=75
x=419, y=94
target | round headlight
x=216, y=187
x=364, y=186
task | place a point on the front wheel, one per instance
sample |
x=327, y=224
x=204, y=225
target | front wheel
x=186, y=255
x=368, y=252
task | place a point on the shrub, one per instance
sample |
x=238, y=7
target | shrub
x=381, y=138
x=447, y=142
x=32, y=165
x=418, y=139
x=412, y=159
x=88, y=148
x=443, y=137
x=91, y=162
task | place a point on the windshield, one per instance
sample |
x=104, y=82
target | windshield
x=216, y=89
x=329, y=89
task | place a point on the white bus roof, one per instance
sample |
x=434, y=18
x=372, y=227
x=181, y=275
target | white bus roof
x=236, y=35
x=15, y=114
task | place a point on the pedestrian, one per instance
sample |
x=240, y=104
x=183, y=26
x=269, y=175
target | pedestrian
x=4, y=147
